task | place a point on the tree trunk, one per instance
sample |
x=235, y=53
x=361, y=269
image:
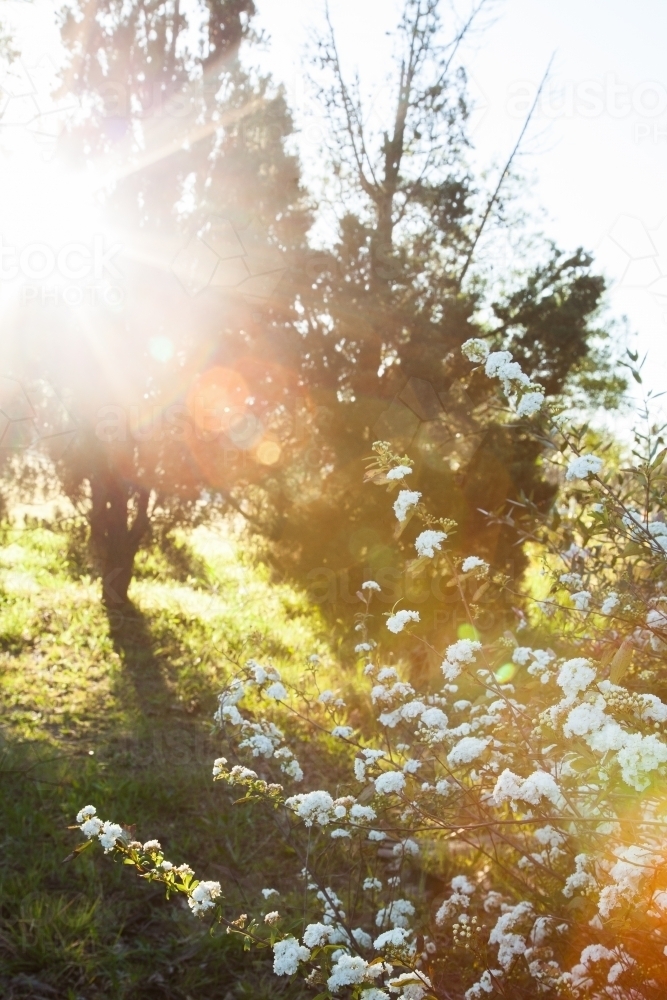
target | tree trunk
x=115, y=538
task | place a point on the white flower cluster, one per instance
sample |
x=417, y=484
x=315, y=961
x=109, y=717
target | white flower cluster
x=203, y=896
x=474, y=563
x=528, y=396
x=534, y=768
x=399, y=472
x=405, y=502
x=583, y=466
x=459, y=655
x=287, y=954
x=397, y=622
x=537, y=786
x=92, y=826
x=428, y=541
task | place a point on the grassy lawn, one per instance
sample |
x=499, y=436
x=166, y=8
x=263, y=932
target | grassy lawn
x=117, y=713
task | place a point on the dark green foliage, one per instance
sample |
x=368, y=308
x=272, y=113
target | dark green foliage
x=89, y=929
x=376, y=340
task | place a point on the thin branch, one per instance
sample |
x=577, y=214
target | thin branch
x=496, y=193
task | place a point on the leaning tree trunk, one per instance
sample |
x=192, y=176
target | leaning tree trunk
x=116, y=531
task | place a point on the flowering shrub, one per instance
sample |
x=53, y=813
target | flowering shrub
x=500, y=829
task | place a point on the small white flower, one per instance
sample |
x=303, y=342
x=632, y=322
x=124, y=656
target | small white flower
x=312, y=807
x=276, y=690
x=292, y=769
x=109, y=835
x=428, y=541
x=272, y=918
x=582, y=466
x=474, y=562
x=286, y=956
x=371, y=585
x=495, y=361
x=575, y=675
x=240, y=774
x=609, y=603
x=372, y=885
x=229, y=713
x=398, y=937
x=203, y=896
x=399, y=472
x=475, y=350
x=397, y=914
x=581, y=600
x=91, y=827
x=364, y=940
x=466, y=750
x=389, y=782
x=530, y=404
x=458, y=655
x=362, y=814
x=396, y=623
x=258, y=672
x=350, y=969
x=404, y=501
x=267, y=893
x=86, y=813
x=342, y=732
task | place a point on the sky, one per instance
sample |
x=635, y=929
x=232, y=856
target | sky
x=597, y=148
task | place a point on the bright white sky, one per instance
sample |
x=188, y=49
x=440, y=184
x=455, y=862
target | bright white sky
x=598, y=150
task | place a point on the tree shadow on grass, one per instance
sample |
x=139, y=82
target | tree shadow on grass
x=133, y=641
x=162, y=736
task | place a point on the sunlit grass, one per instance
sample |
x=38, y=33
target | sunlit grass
x=118, y=713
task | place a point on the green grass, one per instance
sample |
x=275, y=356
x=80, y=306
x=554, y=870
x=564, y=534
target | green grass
x=117, y=713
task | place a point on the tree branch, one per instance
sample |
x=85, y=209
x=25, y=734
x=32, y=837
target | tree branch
x=496, y=193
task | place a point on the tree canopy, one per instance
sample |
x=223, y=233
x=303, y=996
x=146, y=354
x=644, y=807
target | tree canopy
x=242, y=366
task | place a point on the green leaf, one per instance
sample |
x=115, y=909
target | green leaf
x=77, y=850
x=621, y=661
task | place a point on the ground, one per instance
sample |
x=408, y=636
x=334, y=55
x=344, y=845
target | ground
x=117, y=712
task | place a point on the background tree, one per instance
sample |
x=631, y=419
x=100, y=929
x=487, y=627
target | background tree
x=188, y=149
x=381, y=315
x=213, y=391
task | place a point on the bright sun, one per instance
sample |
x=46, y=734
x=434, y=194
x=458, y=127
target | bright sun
x=43, y=208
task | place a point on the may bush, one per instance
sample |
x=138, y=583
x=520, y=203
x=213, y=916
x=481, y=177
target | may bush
x=501, y=830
